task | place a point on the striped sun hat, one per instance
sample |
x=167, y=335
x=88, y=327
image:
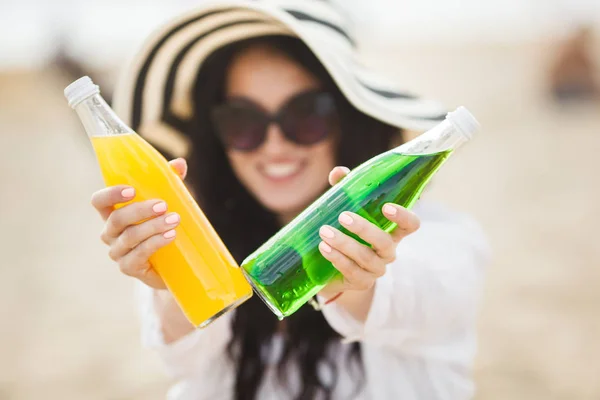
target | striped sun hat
x=154, y=95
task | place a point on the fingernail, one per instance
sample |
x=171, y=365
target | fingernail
x=325, y=247
x=172, y=219
x=389, y=209
x=129, y=192
x=346, y=219
x=169, y=234
x=327, y=232
x=346, y=170
x=159, y=207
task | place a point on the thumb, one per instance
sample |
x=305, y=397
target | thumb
x=179, y=165
x=337, y=174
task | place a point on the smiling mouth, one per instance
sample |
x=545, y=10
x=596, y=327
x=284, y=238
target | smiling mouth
x=281, y=171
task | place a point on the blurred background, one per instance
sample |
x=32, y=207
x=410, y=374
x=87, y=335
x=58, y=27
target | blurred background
x=528, y=69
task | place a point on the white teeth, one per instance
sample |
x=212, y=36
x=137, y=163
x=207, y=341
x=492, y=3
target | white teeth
x=281, y=170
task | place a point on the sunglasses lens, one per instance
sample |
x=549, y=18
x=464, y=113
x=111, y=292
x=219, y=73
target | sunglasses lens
x=240, y=127
x=310, y=118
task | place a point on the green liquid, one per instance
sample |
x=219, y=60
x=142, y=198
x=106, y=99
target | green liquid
x=288, y=270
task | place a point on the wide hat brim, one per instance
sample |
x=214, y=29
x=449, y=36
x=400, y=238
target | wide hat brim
x=154, y=93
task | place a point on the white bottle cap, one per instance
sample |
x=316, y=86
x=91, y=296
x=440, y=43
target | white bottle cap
x=464, y=122
x=80, y=90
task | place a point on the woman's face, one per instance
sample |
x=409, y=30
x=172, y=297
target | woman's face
x=285, y=177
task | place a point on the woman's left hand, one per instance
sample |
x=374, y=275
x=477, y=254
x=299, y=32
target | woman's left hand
x=359, y=264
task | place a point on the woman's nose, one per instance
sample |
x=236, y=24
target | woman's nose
x=275, y=141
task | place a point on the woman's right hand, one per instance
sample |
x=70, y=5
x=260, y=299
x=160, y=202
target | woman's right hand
x=131, y=241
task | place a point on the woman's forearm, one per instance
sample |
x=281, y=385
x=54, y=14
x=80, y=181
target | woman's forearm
x=174, y=324
x=357, y=303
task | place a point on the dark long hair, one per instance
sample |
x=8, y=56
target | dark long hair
x=244, y=224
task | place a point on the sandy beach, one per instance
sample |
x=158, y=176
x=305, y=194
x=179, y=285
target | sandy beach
x=69, y=325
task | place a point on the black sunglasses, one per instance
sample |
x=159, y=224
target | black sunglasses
x=305, y=119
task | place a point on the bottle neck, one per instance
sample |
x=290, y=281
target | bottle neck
x=99, y=119
x=443, y=137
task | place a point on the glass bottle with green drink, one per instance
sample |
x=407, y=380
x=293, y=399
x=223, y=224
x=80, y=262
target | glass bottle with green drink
x=289, y=270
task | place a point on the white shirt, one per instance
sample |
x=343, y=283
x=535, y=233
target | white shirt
x=418, y=341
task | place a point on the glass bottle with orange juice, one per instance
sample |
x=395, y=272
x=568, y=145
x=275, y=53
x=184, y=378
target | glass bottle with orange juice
x=196, y=266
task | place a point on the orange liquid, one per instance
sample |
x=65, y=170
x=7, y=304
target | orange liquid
x=196, y=266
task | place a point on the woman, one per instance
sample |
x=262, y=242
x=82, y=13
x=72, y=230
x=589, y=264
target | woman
x=264, y=100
